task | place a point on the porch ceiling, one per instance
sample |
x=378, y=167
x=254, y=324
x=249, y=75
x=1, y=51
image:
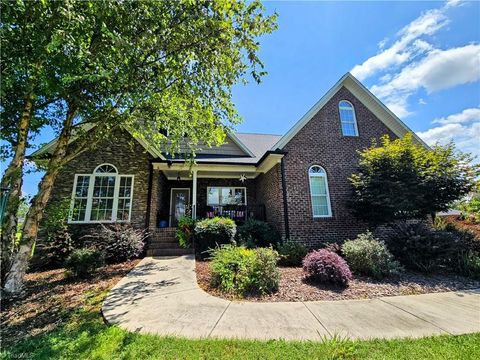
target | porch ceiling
x=214, y=170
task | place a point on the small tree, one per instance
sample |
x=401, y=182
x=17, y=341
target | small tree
x=403, y=180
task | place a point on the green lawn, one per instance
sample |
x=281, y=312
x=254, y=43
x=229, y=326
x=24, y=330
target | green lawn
x=85, y=336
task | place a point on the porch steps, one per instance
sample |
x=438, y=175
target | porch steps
x=162, y=242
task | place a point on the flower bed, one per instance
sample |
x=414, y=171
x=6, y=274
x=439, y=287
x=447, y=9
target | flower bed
x=294, y=287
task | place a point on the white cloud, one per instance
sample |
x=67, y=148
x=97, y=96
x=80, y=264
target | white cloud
x=467, y=115
x=462, y=128
x=405, y=47
x=439, y=70
x=422, y=101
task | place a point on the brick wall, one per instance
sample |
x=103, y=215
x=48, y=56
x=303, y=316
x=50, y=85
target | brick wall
x=127, y=155
x=270, y=193
x=320, y=142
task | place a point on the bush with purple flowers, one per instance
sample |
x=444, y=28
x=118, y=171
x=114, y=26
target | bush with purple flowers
x=326, y=266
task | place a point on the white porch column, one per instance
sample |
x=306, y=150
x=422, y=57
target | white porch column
x=194, y=195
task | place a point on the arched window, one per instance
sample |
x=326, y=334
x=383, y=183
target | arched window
x=319, y=192
x=103, y=196
x=347, y=118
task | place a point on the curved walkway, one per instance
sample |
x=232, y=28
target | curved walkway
x=161, y=296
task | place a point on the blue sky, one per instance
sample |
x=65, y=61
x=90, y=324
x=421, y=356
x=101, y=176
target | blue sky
x=422, y=59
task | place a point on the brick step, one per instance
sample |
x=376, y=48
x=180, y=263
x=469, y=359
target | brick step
x=164, y=245
x=169, y=252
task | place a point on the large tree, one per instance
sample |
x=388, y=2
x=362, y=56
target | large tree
x=148, y=66
x=401, y=180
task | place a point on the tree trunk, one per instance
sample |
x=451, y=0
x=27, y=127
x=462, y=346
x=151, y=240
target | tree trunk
x=13, y=179
x=14, y=281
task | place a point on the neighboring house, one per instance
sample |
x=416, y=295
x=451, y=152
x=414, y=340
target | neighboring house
x=297, y=182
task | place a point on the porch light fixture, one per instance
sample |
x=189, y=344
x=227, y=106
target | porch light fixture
x=178, y=176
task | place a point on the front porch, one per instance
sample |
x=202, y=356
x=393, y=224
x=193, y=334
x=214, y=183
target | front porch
x=205, y=191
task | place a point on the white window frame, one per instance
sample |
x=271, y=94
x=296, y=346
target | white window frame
x=327, y=192
x=91, y=185
x=220, y=194
x=352, y=109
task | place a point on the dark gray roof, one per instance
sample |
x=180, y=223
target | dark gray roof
x=258, y=144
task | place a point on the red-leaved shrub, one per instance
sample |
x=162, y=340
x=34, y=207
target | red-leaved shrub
x=326, y=266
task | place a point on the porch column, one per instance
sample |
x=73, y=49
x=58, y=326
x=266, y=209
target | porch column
x=194, y=194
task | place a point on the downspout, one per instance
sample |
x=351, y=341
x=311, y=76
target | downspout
x=285, y=204
x=149, y=196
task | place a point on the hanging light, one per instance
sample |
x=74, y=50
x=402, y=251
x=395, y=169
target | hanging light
x=178, y=176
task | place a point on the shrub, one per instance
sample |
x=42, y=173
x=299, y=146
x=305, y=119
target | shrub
x=118, y=242
x=421, y=248
x=470, y=209
x=292, y=253
x=59, y=242
x=83, y=262
x=185, y=231
x=256, y=233
x=468, y=264
x=244, y=271
x=326, y=266
x=334, y=247
x=368, y=256
x=210, y=233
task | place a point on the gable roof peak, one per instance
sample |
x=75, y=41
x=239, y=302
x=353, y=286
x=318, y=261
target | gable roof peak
x=384, y=114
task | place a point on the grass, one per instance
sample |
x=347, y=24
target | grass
x=80, y=333
x=85, y=336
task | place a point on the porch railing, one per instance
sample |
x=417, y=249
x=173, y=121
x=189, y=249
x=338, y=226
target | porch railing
x=238, y=213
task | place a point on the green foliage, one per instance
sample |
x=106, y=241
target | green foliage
x=59, y=242
x=367, y=255
x=83, y=262
x=185, y=231
x=117, y=242
x=256, y=233
x=291, y=252
x=402, y=180
x=210, y=233
x=468, y=264
x=170, y=63
x=470, y=209
x=245, y=271
x=421, y=248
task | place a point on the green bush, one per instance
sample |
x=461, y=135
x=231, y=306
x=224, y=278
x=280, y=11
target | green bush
x=421, y=248
x=256, y=233
x=211, y=233
x=83, y=262
x=470, y=209
x=185, y=231
x=245, y=271
x=292, y=253
x=368, y=256
x=468, y=264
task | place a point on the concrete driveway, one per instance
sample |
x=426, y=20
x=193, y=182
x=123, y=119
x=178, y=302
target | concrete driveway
x=161, y=296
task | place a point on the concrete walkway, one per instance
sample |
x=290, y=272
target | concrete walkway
x=161, y=296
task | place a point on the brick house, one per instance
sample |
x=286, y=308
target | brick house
x=298, y=182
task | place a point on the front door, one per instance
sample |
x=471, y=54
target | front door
x=179, y=202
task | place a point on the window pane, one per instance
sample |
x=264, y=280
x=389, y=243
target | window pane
x=228, y=196
x=240, y=196
x=123, y=209
x=348, y=129
x=320, y=205
x=102, y=209
x=82, y=186
x=213, y=197
x=78, y=211
x=317, y=184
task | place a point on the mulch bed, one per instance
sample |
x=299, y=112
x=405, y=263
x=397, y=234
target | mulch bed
x=464, y=224
x=50, y=298
x=294, y=287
